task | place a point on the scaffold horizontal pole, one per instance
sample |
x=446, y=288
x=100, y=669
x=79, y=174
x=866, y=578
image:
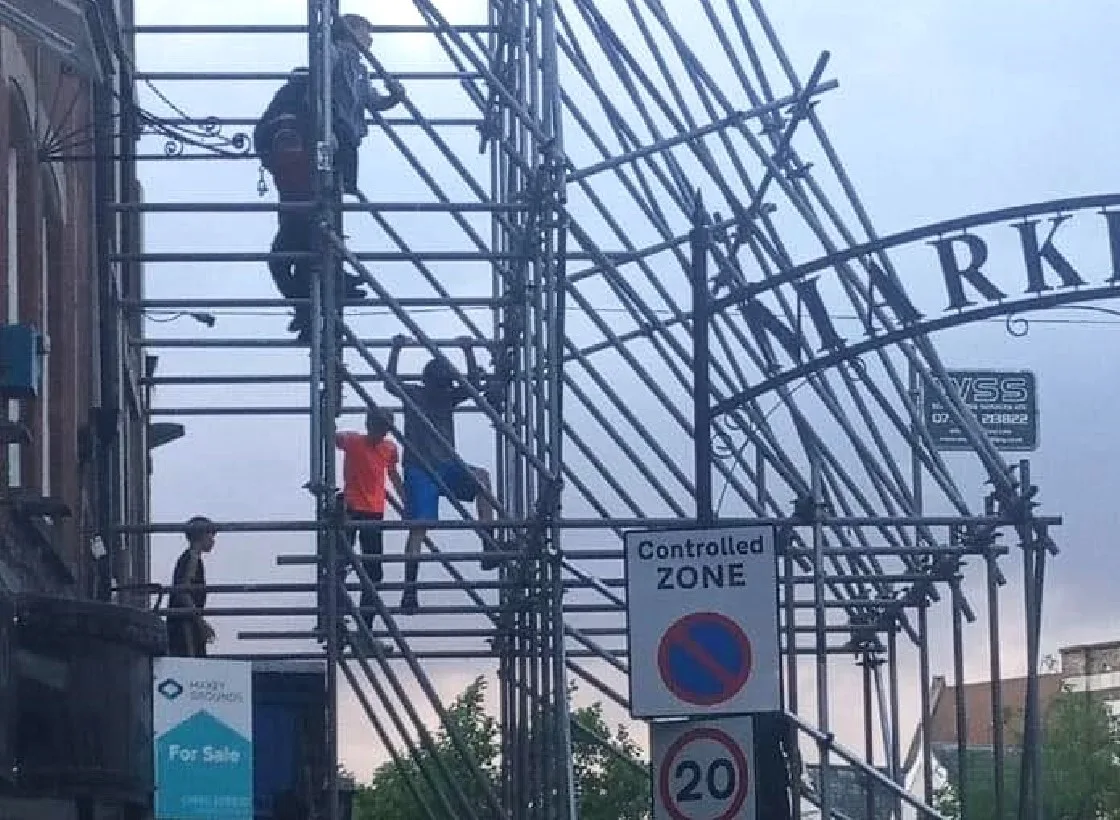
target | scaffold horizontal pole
x=282, y=76
x=488, y=257
x=464, y=632
x=299, y=29
x=186, y=305
x=422, y=654
x=216, y=412
x=154, y=342
x=651, y=525
x=347, y=207
x=385, y=586
x=246, y=122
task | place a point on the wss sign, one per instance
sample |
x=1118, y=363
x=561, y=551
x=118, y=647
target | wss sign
x=1004, y=403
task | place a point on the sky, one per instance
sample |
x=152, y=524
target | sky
x=943, y=109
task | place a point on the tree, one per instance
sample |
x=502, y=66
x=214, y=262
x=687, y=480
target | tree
x=1080, y=765
x=613, y=783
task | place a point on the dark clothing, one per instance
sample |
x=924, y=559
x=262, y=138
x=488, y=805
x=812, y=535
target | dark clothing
x=346, y=168
x=422, y=447
x=351, y=94
x=286, y=124
x=292, y=276
x=372, y=542
x=186, y=634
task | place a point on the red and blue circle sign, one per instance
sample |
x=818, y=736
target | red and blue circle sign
x=704, y=658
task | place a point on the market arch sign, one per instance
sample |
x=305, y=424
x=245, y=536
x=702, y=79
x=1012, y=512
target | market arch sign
x=997, y=263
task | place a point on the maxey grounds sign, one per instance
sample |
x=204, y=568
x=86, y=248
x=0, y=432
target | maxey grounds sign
x=203, y=739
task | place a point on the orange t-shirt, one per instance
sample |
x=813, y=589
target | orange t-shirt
x=364, y=465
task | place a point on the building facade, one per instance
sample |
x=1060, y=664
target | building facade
x=75, y=664
x=1092, y=668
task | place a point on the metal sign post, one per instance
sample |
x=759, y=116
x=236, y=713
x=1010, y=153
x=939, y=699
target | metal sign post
x=702, y=622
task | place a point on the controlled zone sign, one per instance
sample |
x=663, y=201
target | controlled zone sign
x=203, y=722
x=702, y=622
x=703, y=770
x=1004, y=403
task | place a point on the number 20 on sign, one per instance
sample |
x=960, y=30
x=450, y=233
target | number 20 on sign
x=702, y=770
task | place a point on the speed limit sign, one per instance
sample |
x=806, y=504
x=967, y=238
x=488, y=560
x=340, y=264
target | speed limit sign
x=703, y=770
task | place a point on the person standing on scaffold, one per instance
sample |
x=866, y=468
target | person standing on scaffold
x=284, y=138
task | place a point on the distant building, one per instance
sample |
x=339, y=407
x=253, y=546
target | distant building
x=1093, y=667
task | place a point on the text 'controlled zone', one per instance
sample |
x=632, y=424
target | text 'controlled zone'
x=707, y=574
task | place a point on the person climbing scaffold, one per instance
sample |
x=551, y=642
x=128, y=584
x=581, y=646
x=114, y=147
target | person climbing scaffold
x=432, y=468
x=284, y=138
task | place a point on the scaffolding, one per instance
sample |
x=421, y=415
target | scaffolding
x=575, y=190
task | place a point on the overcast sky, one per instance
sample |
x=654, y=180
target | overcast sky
x=944, y=109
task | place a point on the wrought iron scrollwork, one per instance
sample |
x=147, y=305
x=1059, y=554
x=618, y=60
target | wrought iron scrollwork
x=204, y=134
x=1016, y=326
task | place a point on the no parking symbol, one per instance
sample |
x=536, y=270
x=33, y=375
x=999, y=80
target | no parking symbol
x=704, y=659
x=702, y=770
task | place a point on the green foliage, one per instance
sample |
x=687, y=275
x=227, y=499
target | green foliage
x=1080, y=764
x=613, y=785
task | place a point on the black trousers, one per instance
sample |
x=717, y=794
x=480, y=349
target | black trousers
x=371, y=542
x=346, y=167
x=292, y=276
x=185, y=637
x=295, y=231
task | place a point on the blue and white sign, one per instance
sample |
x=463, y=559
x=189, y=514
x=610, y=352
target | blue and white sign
x=203, y=720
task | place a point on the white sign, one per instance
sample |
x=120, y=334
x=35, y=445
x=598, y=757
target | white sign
x=203, y=722
x=703, y=770
x=702, y=622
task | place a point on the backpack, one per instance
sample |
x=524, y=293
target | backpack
x=285, y=126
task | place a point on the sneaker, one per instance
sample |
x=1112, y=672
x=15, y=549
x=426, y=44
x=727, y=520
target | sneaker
x=489, y=544
x=354, y=289
x=300, y=318
x=409, y=606
x=301, y=326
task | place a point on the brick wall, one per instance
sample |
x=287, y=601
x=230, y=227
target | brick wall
x=54, y=244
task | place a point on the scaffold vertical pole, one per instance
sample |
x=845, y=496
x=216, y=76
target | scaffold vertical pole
x=325, y=380
x=702, y=412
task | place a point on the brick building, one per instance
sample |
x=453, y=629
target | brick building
x=75, y=435
x=1085, y=668
x=74, y=668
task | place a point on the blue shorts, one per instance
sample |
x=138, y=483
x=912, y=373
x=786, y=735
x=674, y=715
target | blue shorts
x=422, y=492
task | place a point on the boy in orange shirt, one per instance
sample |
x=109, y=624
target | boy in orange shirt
x=366, y=460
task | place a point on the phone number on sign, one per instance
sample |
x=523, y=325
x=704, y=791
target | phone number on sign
x=1004, y=418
